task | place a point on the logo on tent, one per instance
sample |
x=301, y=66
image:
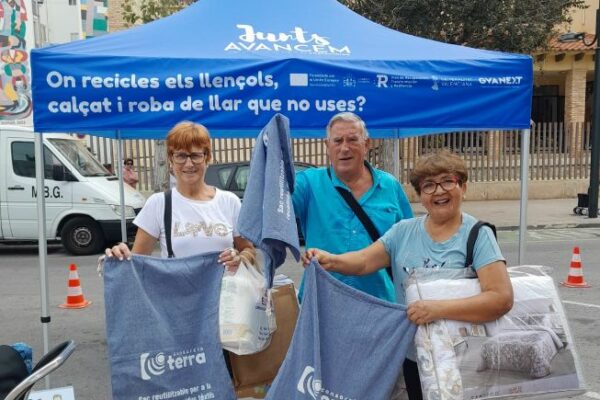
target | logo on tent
x=435, y=83
x=296, y=40
x=298, y=79
x=152, y=365
x=500, y=80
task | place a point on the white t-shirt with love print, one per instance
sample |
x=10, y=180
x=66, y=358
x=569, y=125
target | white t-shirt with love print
x=198, y=226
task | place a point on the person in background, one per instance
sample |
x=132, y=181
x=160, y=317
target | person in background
x=435, y=240
x=130, y=177
x=204, y=218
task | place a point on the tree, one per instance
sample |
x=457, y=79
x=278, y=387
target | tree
x=521, y=26
x=143, y=11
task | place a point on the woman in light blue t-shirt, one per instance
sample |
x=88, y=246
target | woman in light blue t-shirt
x=437, y=239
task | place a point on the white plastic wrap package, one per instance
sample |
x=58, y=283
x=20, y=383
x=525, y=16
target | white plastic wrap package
x=246, y=315
x=528, y=352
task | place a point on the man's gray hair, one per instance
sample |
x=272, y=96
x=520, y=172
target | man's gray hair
x=347, y=117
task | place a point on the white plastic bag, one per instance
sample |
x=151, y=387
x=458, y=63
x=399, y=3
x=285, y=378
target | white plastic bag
x=246, y=315
x=527, y=353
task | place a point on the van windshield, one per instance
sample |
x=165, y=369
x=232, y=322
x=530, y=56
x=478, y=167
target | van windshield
x=79, y=157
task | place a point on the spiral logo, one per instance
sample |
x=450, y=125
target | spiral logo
x=308, y=384
x=152, y=366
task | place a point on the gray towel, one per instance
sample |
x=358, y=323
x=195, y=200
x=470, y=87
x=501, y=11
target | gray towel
x=267, y=216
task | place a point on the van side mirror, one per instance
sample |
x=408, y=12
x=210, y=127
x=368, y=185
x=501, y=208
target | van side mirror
x=60, y=173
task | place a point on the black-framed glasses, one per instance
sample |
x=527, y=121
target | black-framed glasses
x=128, y=163
x=181, y=158
x=429, y=187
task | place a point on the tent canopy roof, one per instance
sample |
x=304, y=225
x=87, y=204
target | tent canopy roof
x=205, y=29
x=232, y=64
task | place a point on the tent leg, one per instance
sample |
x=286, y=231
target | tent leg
x=42, y=244
x=396, y=161
x=525, y=135
x=121, y=188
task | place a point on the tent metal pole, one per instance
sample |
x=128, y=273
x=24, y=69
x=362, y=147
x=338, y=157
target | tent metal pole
x=121, y=188
x=42, y=244
x=525, y=135
x=396, y=163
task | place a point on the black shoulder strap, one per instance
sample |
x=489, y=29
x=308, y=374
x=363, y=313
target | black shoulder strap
x=473, y=238
x=167, y=221
x=358, y=210
x=361, y=215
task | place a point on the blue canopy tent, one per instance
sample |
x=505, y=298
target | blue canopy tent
x=231, y=64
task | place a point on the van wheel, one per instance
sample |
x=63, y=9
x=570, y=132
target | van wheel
x=82, y=236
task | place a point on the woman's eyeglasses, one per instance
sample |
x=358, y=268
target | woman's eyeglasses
x=429, y=187
x=128, y=163
x=181, y=158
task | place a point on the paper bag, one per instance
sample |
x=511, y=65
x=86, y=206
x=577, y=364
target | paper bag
x=260, y=368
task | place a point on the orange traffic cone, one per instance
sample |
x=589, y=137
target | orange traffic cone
x=75, y=297
x=575, y=278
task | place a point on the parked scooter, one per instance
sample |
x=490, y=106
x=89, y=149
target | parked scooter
x=15, y=380
x=582, y=204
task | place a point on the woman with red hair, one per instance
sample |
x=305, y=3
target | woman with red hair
x=204, y=218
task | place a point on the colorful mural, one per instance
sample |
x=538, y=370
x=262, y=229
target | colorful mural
x=94, y=17
x=15, y=43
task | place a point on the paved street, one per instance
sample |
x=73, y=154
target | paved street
x=87, y=369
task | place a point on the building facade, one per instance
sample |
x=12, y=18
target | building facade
x=94, y=18
x=564, y=74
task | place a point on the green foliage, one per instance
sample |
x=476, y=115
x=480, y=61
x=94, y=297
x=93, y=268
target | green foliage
x=509, y=25
x=143, y=11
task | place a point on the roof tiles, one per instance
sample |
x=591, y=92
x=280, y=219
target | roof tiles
x=555, y=45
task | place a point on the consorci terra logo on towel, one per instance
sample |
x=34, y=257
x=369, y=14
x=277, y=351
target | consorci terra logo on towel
x=313, y=388
x=156, y=364
x=296, y=40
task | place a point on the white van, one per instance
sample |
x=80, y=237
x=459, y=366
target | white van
x=82, y=197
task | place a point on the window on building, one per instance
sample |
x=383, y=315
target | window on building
x=589, y=101
x=547, y=104
x=72, y=2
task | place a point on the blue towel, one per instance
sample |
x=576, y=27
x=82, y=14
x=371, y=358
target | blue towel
x=347, y=344
x=267, y=216
x=162, y=328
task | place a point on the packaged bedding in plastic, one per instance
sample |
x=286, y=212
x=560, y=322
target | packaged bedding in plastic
x=528, y=352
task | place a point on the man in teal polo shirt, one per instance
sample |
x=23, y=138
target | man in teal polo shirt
x=328, y=222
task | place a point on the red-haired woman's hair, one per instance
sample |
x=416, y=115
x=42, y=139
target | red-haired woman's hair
x=186, y=135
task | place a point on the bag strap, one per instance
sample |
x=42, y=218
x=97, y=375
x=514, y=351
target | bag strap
x=358, y=210
x=167, y=221
x=473, y=234
x=361, y=215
